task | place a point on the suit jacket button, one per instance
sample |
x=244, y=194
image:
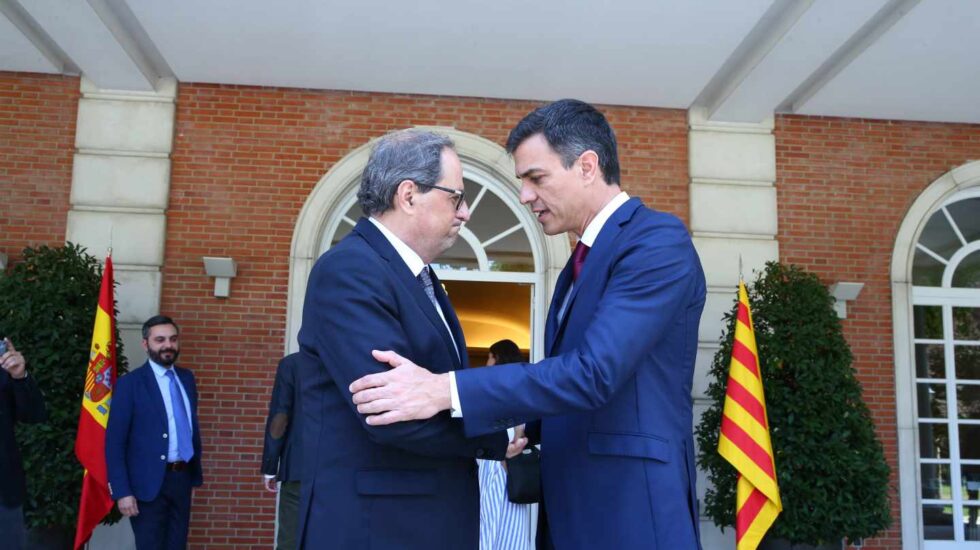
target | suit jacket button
x=480, y=452
x=165, y=436
x=163, y=457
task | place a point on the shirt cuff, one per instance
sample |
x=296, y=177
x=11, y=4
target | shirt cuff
x=268, y=477
x=457, y=410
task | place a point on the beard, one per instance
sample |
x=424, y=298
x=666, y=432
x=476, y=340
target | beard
x=157, y=356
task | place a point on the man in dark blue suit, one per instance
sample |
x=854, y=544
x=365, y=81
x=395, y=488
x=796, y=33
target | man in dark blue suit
x=153, y=442
x=282, y=450
x=614, y=394
x=412, y=485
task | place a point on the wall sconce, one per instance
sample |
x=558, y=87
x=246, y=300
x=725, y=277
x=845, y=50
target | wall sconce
x=843, y=293
x=223, y=270
x=3, y=261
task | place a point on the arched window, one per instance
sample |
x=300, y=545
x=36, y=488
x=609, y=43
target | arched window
x=945, y=296
x=500, y=272
x=493, y=240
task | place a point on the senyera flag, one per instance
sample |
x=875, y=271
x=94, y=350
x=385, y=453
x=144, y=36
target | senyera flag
x=90, y=441
x=744, y=441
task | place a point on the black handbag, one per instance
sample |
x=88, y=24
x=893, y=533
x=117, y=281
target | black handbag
x=524, y=477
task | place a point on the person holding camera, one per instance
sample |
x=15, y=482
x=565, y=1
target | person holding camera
x=20, y=401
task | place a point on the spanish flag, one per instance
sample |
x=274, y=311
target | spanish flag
x=90, y=441
x=744, y=440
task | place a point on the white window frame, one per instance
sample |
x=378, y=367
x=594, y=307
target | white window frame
x=958, y=184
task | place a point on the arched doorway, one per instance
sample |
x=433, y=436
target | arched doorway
x=501, y=262
x=936, y=301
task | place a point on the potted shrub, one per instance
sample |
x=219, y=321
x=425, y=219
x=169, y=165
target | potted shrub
x=832, y=474
x=48, y=310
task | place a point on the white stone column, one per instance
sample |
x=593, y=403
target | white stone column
x=119, y=192
x=733, y=214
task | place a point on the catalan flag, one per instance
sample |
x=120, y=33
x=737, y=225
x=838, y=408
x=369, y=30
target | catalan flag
x=90, y=441
x=744, y=440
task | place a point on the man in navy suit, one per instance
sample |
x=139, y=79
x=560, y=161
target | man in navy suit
x=153, y=442
x=281, y=456
x=411, y=485
x=614, y=394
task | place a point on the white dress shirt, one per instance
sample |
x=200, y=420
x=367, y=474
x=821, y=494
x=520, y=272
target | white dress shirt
x=415, y=265
x=173, y=455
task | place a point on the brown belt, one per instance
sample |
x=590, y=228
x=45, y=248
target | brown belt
x=178, y=466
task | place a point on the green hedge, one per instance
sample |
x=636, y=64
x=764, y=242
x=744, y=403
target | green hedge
x=832, y=474
x=47, y=308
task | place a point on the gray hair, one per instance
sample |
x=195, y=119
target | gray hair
x=398, y=156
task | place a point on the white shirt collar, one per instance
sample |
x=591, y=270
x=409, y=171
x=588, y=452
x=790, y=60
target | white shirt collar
x=595, y=226
x=409, y=256
x=159, y=370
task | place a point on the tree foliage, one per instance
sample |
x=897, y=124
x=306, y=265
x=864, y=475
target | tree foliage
x=47, y=308
x=832, y=474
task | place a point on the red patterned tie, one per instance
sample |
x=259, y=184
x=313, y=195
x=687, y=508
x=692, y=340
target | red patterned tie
x=578, y=259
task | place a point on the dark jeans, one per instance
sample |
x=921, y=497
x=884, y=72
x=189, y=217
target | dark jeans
x=288, y=515
x=162, y=523
x=12, y=528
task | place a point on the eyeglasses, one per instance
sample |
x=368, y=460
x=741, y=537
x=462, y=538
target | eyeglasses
x=459, y=195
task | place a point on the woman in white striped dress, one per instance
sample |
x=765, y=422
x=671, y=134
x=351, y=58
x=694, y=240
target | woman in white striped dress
x=503, y=524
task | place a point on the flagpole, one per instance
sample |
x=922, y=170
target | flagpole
x=744, y=440
x=96, y=502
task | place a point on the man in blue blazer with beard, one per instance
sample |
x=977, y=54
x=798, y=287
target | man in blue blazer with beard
x=153, y=442
x=614, y=394
x=412, y=485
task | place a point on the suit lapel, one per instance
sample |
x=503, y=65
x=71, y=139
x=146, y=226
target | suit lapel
x=153, y=392
x=460, y=359
x=380, y=244
x=596, y=263
x=561, y=289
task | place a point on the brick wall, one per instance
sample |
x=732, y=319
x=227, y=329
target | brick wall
x=245, y=159
x=37, y=142
x=844, y=186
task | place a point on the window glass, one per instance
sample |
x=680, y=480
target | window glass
x=967, y=274
x=926, y=270
x=932, y=400
x=933, y=440
x=928, y=322
x=939, y=237
x=965, y=216
x=930, y=361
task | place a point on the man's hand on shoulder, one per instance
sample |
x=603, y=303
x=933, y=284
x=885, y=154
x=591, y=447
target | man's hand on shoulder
x=406, y=392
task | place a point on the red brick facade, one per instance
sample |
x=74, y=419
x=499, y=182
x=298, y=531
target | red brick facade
x=844, y=186
x=245, y=160
x=37, y=142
